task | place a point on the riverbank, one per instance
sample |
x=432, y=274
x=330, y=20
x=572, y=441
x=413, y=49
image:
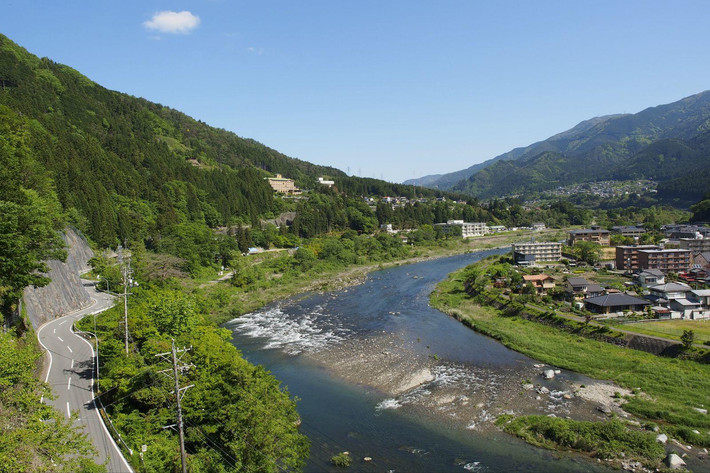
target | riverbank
x=670, y=395
x=228, y=302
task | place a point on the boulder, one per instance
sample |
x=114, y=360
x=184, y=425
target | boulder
x=663, y=438
x=674, y=462
x=548, y=374
x=702, y=411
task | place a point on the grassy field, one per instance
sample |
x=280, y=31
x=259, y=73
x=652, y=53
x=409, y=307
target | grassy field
x=668, y=389
x=671, y=328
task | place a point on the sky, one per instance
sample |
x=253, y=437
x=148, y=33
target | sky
x=388, y=89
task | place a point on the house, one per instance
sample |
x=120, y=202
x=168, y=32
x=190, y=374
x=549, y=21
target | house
x=540, y=251
x=538, y=226
x=387, y=227
x=594, y=290
x=577, y=287
x=650, y=277
x=671, y=290
x=594, y=234
x=685, y=309
x=702, y=260
x=496, y=228
x=404, y=239
x=701, y=296
x=541, y=282
x=283, y=185
x=616, y=302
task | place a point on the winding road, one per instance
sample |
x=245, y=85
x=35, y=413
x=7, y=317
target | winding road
x=70, y=373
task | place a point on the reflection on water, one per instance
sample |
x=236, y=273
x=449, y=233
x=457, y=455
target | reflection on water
x=383, y=375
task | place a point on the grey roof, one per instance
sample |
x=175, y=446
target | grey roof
x=701, y=292
x=671, y=287
x=653, y=272
x=595, y=288
x=685, y=302
x=588, y=230
x=615, y=300
x=578, y=281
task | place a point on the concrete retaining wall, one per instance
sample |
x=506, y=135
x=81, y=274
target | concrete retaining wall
x=66, y=292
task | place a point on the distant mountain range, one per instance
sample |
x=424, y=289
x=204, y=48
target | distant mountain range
x=663, y=143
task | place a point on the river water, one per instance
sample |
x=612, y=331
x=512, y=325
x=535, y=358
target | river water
x=381, y=374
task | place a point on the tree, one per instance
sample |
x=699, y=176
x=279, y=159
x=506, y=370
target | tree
x=687, y=339
x=35, y=437
x=587, y=251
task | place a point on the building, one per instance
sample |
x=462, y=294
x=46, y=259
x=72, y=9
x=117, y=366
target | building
x=283, y=185
x=577, y=287
x=669, y=291
x=668, y=261
x=468, y=229
x=496, y=228
x=632, y=231
x=537, y=251
x=541, y=282
x=650, y=277
x=538, y=226
x=595, y=235
x=702, y=260
x=696, y=245
x=616, y=302
x=627, y=257
x=328, y=183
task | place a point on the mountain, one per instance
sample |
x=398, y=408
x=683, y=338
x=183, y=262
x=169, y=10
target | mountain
x=127, y=168
x=554, y=143
x=610, y=147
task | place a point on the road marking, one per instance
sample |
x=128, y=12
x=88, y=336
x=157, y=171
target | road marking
x=68, y=411
x=69, y=348
x=72, y=364
x=62, y=322
x=69, y=384
x=60, y=339
x=55, y=331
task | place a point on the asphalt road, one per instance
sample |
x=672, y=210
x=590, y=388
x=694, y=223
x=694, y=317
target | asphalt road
x=70, y=374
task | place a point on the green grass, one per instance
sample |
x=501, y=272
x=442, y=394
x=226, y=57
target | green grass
x=610, y=440
x=671, y=329
x=672, y=387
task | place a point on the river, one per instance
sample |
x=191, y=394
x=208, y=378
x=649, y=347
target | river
x=381, y=374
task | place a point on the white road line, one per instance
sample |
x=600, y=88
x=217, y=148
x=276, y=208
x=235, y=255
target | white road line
x=60, y=339
x=62, y=322
x=55, y=331
x=68, y=411
x=69, y=348
x=69, y=384
x=72, y=364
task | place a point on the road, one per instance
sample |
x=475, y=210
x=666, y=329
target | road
x=70, y=374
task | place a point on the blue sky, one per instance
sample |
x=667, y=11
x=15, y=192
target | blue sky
x=391, y=89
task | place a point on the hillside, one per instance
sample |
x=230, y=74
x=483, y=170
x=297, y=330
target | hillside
x=126, y=168
x=612, y=147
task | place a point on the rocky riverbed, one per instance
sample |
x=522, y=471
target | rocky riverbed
x=413, y=379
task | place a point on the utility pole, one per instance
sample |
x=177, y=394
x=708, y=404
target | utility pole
x=126, y=270
x=179, y=392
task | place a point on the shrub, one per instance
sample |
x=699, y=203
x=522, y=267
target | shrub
x=342, y=460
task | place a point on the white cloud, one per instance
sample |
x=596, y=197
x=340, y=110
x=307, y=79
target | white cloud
x=257, y=51
x=173, y=22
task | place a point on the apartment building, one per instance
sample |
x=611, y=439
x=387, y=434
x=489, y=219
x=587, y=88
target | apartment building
x=531, y=252
x=668, y=261
x=627, y=257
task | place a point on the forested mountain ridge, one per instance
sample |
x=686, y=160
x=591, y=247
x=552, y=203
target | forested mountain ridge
x=594, y=149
